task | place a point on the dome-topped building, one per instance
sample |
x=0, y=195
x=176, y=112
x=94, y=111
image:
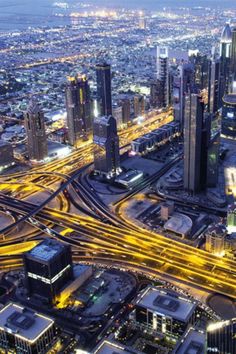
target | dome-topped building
x=226, y=36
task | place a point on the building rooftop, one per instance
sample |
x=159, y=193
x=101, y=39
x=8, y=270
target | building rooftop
x=167, y=303
x=218, y=230
x=130, y=176
x=226, y=36
x=107, y=347
x=179, y=223
x=230, y=99
x=105, y=120
x=47, y=250
x=192, y=343
x=80, y=269
x=23, y=323
x=33, y=107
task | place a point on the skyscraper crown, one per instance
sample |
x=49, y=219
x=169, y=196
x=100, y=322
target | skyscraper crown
x=226, y=36
x=33, y=107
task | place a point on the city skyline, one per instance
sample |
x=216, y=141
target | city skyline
x=117, y=178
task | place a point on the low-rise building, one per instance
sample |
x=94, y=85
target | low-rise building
x=179, y=224
x=129, y=178
x=164, y=312
x=192, y=342
x=25, y=331
x=108, y=347
x=155, y=138
x=167, y=209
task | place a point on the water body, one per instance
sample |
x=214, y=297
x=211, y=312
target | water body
x=21, y=14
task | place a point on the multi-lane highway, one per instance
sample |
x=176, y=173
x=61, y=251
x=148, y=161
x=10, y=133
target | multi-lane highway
x=101, y=235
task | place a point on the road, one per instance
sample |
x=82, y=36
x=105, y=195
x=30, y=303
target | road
x=105, y=237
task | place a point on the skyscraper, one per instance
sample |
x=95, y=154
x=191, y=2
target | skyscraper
x=195, y=144
x=163, y=74
x=233, y=55
x=103, y=72
x=201, y=70
x=229, y=115
x=139, y=106
x=214, y=86
x=48, y=267
x=221, y=337
x=35, y=132
x=78, y=109
x=183, y=84
x=106, y=147
x=125, y=110
x=225, y=48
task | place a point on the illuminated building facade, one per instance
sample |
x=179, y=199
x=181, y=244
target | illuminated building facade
x=159, y=311
x=213, y=159
x=155, y=138
x=106, y=147
x=229, y=115
x=48, y=268
x=35, y=132
x=201, y=70
x=214, y=86
x=104, y=100
x=231, y=218
x=215, y=239
x=157, y=94
x=117, y=114
x=233, y=55
x=221, y=337
x=163, y=75
x=225, y=48
x=24, y=331
x=78, y=106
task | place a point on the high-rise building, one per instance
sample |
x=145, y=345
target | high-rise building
x=163, y=75
x=104, y=98
x=142, y=23
x=233, y=55
x=183, y=84
x=35, y=132
x=139, y=106
x=196, y=133
x=117, y=114
x=214, y=86
x=201, y=64
x=25, y=331
x=106, y=147
x=6, y=154
x=157, y=94
x=225, y=49
x=213, y=151
x=229, y=115
x=48, y=268
x=221, y=337
x=126, y=111
x=78, y=109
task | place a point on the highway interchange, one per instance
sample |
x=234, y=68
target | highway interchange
x=97, y=234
